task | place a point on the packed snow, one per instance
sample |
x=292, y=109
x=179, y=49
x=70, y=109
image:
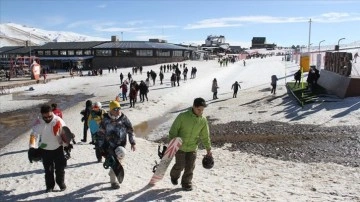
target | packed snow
x=236, y=176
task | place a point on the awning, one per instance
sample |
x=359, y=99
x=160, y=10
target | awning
x=77, y=58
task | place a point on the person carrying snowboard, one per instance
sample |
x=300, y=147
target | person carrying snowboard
x=95, y=118
x=191, y=126
x=113, y=132
x=46, y=139
x=86, y=112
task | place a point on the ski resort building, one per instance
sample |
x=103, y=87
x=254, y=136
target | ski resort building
x=100, y=54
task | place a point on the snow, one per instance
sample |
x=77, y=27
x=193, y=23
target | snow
x=236, y=176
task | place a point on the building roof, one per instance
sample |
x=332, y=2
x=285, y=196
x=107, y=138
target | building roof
x=9, y=48
x=138, y=45
x=69, y=45
x=22, y=50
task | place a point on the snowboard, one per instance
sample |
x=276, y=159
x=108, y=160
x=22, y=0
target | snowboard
x=112, y=162
x=94, y=126
x=173, y=147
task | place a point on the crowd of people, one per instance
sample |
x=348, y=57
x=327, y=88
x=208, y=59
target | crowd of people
x=111, y=130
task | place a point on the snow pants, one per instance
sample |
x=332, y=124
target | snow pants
x=184, y=161
x=54, y=161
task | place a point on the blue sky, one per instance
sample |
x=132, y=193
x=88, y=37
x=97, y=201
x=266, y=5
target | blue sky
x=284, y=23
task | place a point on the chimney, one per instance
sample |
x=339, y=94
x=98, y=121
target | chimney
x=114, y=38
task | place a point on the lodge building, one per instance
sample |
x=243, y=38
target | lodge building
x=99, y=54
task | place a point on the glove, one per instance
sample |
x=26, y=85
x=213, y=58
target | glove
x=30, y=152
x=67, y=150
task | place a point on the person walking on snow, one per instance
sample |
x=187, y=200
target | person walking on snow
x=86, y=112
x=47, y=133
x=236, y=87
x=191, y=126
x=214, y=88
x=114, y=130
x=274, y=83
x=95, y=117
x=56, y=110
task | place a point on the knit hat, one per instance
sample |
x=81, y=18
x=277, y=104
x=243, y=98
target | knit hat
x=114, y=104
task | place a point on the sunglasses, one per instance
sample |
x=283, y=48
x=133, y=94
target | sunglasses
x=47, y=117
x=117, y=109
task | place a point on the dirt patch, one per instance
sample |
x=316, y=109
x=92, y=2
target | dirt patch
x=289, y=142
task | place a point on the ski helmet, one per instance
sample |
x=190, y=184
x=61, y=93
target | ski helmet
x=120, y=152
x=208, y=162
x=34, y=155
x=97, y=104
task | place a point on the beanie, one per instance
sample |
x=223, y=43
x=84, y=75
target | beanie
x=114, y=104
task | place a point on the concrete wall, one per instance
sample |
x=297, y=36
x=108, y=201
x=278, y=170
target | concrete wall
x=339, y=85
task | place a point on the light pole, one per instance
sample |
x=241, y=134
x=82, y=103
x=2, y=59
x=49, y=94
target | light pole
x=339, y=43
x=30, y=43
x=319, y=45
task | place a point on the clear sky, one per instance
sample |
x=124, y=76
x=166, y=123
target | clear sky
x=284, y=23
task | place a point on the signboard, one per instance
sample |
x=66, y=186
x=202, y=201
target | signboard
x=305, y=62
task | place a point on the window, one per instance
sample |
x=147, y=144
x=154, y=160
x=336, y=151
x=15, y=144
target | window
x=40, y=52
x=103, y=53
x=55, y=52
x=79, y=52
x=164, y=53
x=144, y=53
x=70, y=52
x=177, y=53
x=126, y=53
x=47, y=52
x=63, y=52
x=87, y=52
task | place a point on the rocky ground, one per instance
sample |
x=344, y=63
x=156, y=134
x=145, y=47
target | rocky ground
x=300, y=143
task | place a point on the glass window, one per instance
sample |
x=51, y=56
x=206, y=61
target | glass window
x=126, y=53
x=40, y=52
x=63, y=52
x=177, y=53
x=164, y=53
x=55, y=52
x=70, y=52
x=47, y=52
x=79, y=52
x=87, y=52
x=144, y=53
x=103, y=53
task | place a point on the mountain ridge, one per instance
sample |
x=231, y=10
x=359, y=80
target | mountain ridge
x=12, y=34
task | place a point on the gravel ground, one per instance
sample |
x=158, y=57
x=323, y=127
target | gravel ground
x=283, y=141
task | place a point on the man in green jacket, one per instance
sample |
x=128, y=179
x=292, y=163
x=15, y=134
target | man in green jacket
x=191, y=127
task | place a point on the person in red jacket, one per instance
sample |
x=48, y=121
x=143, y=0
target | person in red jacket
x=56, y=110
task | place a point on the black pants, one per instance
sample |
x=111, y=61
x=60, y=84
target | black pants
x=235, y=93
x=86, y=127
x=273, y=90
x=143, y=96
x=132, y=102
x=215, y=95
x=54, y=161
